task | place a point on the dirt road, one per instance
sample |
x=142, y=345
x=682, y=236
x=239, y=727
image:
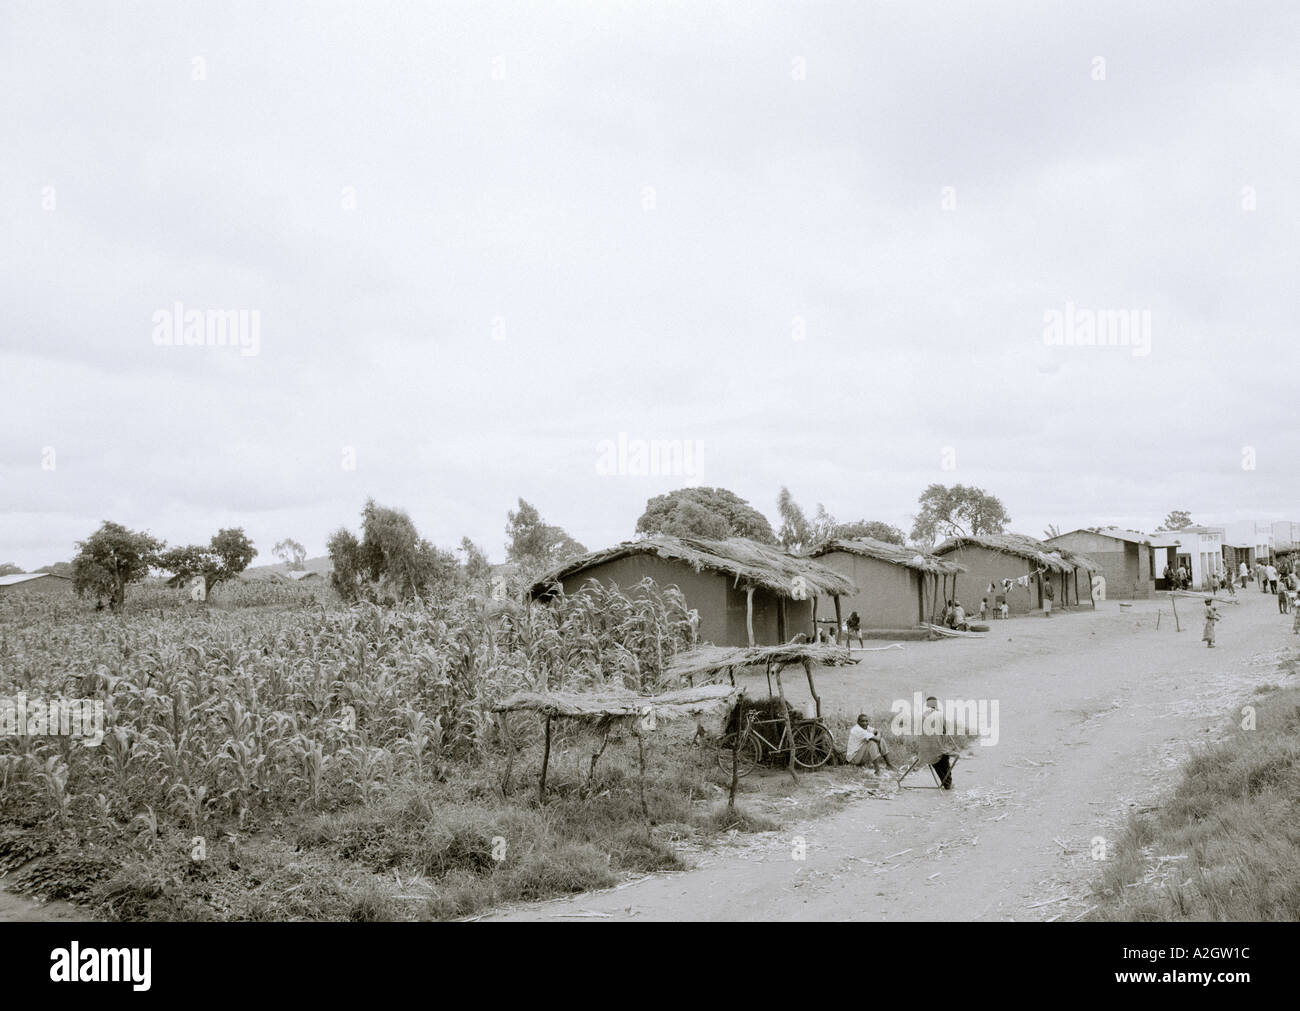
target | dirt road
x=1096, y=711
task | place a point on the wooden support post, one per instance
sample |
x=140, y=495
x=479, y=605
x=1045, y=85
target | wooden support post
x=839, y=623
x=815, y=635
x=735, y=750
x=1178, y=626
x=781, y=627
x=807, y=669
x=749, y=613
x=640, y=748
x=546, y=761
x=504, y=730
x=789, y=725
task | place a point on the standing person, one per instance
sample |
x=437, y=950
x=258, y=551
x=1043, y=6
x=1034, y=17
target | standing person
x=1243, y=573
x=1271, y=572
x=1282, y=599
x=1295, y=621
x=1211, y=618
x=1048, y=595
x=855, y=630
x=1230, y=583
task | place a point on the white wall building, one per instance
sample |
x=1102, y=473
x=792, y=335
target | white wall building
x=1201, y=549
x=1250, y=540
x=1286, y=535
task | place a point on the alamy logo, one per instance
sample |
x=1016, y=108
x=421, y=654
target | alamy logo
x=75, y=964
x=962, y=717
x=181, y=327
x=37, y=717
x=1100, y=328
x=646, y=457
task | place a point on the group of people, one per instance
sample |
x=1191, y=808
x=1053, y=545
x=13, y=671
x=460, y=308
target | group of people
x=866, y=746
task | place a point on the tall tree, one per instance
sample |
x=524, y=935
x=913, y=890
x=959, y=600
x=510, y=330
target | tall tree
x=478, y=570
x=10, y=569
x=1178, y=519
x=957, y=510
x=795, y=531
x=109, y=560
x=711, y=513
x=874, y=529
x=291, y=553
x=534, y=544
x=391, y=561
x=226, y=555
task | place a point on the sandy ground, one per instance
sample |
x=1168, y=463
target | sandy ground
x=14, y=908
x=1096, y=710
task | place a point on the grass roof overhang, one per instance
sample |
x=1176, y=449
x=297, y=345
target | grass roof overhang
x=747, y=562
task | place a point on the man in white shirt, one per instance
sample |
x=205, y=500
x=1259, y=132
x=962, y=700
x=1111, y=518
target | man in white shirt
x=866, y=745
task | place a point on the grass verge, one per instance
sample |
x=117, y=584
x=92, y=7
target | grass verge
x=1226, y=846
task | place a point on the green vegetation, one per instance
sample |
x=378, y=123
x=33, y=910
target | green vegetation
x=272, y=754
x=1226, y=846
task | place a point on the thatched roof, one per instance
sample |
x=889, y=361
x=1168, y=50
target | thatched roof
x=619, y=704
x=1047, y=556
x=711, y=659
x=894, y=554
x=746, y=561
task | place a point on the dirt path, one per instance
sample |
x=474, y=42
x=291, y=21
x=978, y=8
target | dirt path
x=19, y=908
x=1096, y=711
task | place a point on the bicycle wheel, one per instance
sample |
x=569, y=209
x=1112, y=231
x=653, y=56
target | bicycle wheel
x=746, y=758
x=813, y=745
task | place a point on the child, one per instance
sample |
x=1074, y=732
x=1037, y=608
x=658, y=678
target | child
x=1211, y=617
x=1004, y=609
x=984, y=608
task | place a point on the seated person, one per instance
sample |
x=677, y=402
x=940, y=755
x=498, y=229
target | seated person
x=959, y=617
x=936, y=749
x=866, y=745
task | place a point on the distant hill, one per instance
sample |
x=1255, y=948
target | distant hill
x=320, y=564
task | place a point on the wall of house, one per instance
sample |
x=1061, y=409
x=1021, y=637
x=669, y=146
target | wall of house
x=49, y=586
x=1125, y=566
x=888, y=597
x=984, y=566
x=721, y=607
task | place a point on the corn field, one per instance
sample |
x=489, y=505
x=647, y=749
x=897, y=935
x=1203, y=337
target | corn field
x=222, y=716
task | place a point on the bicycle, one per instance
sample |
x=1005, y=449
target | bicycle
x=812, y=747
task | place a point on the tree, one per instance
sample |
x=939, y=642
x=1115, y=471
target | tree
x=711, y=513
x=795, y=531
x=478, y=570
x=874, y=529
x=291, y=553
x=1178, y=519
x=534, y=544
x=957, y=510
x=10, y=569
x=58, y=569
x=798, y=533
x=390, y=562
x=227, y=554
x=1052, y=531
x=110, y=559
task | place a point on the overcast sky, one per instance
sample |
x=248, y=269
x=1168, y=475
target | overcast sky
x=822, y=241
